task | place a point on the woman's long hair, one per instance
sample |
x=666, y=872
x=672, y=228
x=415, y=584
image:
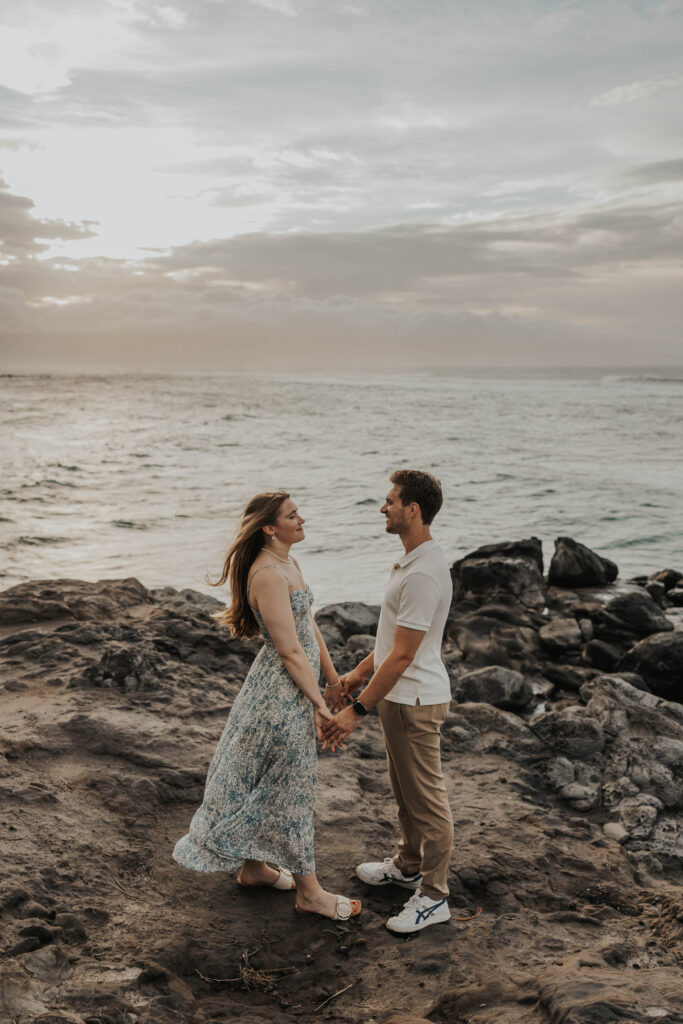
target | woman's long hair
x=262, y=510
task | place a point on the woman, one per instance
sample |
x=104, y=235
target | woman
x=260, y=789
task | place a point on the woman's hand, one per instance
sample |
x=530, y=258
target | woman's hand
x=334, y=695
x=322, y=716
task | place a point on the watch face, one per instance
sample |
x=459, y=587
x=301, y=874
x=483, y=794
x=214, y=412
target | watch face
x=359, y=708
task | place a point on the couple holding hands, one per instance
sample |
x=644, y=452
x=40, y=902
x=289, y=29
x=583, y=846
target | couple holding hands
x=260, y=789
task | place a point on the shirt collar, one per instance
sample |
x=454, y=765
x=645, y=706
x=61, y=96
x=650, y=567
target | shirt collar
x=415, y=553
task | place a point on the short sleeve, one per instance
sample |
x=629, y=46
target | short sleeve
x=419, y=599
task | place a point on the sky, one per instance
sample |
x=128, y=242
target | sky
x=311, y=184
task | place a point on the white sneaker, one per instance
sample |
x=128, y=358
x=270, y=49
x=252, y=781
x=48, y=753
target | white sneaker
x=385, y=872
x=419, y=912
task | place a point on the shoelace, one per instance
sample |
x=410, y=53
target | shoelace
x=414, y=902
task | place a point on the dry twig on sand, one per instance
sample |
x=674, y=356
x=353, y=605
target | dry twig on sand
x=121, y=888
x=251, y=977
x=333, y=996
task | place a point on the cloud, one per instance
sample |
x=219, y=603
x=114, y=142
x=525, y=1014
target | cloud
x=653, y=174
x=353, y=178
x=636, y=91
x=532, y=288
x=281, y=6
x=23, y=236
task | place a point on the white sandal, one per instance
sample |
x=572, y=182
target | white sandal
x=345, y=909
x=285, y=881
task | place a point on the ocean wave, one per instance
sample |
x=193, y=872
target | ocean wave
x=49, y=481
x=128, y=524
x=37, y=540
x=636, y=542
x=642, y=378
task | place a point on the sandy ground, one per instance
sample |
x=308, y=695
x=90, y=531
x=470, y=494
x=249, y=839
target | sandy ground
x=98, y=780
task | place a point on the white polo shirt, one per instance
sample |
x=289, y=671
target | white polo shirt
x=418, y=595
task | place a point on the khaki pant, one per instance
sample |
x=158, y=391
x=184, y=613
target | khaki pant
x=413, y=740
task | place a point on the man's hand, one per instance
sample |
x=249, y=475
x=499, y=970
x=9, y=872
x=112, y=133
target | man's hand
x=351, y=681
x=342, y=725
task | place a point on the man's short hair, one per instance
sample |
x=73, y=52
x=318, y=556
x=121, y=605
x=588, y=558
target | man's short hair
x=421, y=488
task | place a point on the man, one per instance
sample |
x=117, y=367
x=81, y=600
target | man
x=410, y=688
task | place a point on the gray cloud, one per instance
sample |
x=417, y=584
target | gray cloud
x=520, y=289
x=22, y=235
x=637, y=91
x=653, y=174
x=465, y=177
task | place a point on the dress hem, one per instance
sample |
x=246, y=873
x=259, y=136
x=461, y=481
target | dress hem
x=233, y=862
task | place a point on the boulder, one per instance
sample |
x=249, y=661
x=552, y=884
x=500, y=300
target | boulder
x=668, y=577
x=485, y=637
x=581, y=796
x=530, y=549
x=615, y=830
x=502, y=687
x=504, y=580
x=627, y=691
x=129, y=668
x=575, y=565
x=586, y=627
x=659, y=660
x=42, y=601
x=568, y=677
x=561, y=635
x=630, y=616
x=657, y=592
x=360, y=645
x=338, y=622
x=604, y=656
x=580, y=989
x=570, y=731
x=665, y=842
x=487, y=718
x=638, y=814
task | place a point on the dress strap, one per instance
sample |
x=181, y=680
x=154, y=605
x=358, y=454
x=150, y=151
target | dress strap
x=260, y=569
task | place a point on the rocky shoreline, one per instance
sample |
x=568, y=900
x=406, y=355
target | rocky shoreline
x=563, y=755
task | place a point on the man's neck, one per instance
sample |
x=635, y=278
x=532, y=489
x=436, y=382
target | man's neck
x=414, y=537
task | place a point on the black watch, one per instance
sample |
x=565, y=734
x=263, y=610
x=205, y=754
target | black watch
x=359, y=708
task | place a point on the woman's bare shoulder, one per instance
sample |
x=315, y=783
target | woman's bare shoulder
x=262, y=580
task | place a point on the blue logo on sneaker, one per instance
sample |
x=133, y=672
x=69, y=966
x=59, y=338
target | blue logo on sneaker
x=422, y=915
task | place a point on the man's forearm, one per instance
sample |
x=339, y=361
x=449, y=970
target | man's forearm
x=384, y=679
x=365, y=667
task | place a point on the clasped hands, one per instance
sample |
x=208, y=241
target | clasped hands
x=335, y=730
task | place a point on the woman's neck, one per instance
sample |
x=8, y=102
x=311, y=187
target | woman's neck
x=280, y=551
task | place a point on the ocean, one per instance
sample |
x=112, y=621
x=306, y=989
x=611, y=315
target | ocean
x=145, y=475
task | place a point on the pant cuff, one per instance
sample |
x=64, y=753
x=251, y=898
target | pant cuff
x=404, y=869
x=433, y=894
